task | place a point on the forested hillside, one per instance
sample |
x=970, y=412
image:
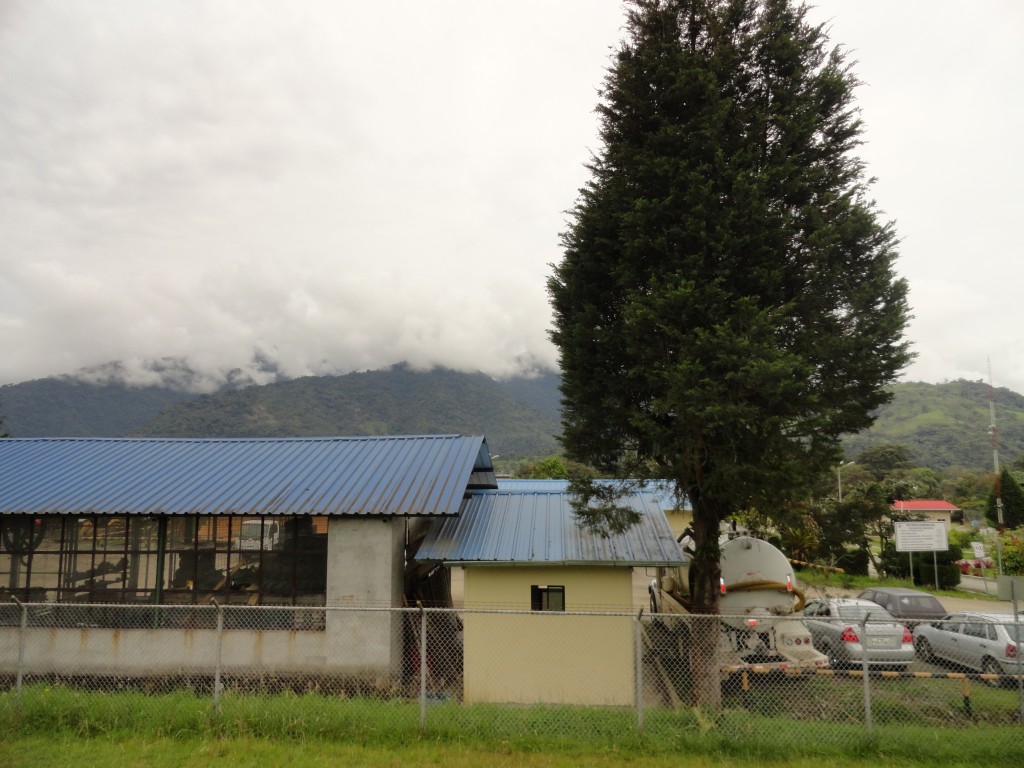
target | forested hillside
x=68, y=407
x=946, y=425
x=393, y=401
x=942, y=425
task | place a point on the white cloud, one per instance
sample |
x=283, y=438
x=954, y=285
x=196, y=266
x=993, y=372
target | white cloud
x=340, y=186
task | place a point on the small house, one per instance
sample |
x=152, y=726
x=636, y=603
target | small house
x=531, y=572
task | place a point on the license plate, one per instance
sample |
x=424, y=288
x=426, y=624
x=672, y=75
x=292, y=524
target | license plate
x=883, y=642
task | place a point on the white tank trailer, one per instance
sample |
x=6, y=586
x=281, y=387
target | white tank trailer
x=759, y=607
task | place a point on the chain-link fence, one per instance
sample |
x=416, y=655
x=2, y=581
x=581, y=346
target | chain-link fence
x=573, y=672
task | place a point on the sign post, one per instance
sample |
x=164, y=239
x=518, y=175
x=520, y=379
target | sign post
x=922, y=536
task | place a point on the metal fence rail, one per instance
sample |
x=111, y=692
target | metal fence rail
x=637, y=671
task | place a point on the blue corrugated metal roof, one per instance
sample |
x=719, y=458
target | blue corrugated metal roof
x=403, y=475
x=522, y=526
x=661, y=489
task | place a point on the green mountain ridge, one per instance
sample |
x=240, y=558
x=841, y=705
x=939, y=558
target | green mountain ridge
x=942, y=425
x=393, y=401
x=947, y=425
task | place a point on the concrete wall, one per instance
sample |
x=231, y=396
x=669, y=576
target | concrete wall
x=145, y=653
x=555, y=658
x=365, y=569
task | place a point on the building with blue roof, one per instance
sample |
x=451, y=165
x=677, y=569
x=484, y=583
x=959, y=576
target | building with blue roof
x=520, y=549
x=259, y=522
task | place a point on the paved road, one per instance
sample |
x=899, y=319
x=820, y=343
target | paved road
x=975, y=597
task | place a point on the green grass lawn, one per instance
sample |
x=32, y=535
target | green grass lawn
x=56, y=726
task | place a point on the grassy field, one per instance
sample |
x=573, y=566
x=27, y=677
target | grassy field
x=62, y=727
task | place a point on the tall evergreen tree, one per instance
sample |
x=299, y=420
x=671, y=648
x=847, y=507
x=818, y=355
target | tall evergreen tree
x=726, y=306
x=1010, y=493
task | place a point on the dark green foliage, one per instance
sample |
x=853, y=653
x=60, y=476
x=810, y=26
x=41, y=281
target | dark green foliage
x=897, y=565
x=1013, y=554
x=924, y=573
x=882, y=458
x=550, y=467
x=945, y=425
x=67, y=407
x=726, y=307
x=393, y=401
x=1012, y=498
x=853, y=562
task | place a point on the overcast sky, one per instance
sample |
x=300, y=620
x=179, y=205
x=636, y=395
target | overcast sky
x=339, y=186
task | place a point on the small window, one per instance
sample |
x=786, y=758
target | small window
x=545, y=598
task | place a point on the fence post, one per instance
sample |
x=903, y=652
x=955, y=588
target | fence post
x=21, y=647
x=219, y=651
x=868, y=718
x=639, y=652
x=423, y=666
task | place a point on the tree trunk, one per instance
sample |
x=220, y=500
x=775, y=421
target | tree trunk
x=705, y=575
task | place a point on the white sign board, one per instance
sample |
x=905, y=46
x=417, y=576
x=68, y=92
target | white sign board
x=921, y=536
x=979, y=549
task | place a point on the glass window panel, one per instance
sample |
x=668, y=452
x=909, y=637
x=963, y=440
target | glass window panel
x=11, y=577
x=181, y=532
x=44, y=572
x=143, y=534
x=51, y=533
x=111, y=534
x=22, y=533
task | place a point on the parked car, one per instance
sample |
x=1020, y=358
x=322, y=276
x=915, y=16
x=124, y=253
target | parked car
x=838, y=630
x=908, y=605
x=987, y=642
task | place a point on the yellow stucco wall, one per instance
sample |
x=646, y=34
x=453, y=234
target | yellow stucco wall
x=679, y=520
x=549, y=657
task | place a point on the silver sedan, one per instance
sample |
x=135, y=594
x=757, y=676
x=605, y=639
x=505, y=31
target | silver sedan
x=850, y=631
x=987, y=642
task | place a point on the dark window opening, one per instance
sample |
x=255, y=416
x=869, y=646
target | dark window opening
x=545, y=598
x=191, y=560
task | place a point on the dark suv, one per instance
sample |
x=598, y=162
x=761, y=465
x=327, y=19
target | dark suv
x=908, y=605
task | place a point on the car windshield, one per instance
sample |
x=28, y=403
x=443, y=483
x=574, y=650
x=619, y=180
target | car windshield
x=919, y=604
x=858, y=612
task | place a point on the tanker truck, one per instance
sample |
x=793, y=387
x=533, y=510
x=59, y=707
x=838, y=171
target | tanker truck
x=759, y=607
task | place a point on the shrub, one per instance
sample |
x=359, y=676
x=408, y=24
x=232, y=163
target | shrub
x=1013, y=555
x=854, y=562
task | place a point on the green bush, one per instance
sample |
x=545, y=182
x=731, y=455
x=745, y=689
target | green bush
x=962, y=538
x=1013, y=554
x=854, y=562
x=897, y=565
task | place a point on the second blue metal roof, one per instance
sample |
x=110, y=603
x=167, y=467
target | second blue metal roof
x=511, y=526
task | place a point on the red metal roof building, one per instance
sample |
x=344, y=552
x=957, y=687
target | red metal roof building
x=932, y=509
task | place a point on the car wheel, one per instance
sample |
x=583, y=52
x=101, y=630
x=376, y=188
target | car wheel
x=924, y=650
x=834, y=660
x=990, y=666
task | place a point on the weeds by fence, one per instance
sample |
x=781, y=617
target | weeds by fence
x=593, y=675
